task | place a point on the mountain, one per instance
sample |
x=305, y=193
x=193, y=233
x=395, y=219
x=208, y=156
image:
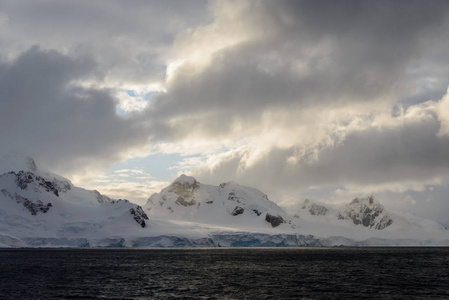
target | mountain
x=365, y=213
x=42, y=209
x=228, y=204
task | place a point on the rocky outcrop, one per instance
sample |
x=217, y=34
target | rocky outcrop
x=139, y=215
x=184, y=186
x=23, y=179
x=32, y=206
x=275, y=221
x=366, y=212
x=312, y=208
x=238, y=211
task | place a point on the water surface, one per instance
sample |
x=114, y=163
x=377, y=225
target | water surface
x=273, y=273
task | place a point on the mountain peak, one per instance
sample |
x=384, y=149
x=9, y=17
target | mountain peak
x=364, y=201
x=368, y=212
x=184, y=179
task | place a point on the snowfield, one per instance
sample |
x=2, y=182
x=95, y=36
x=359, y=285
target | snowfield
x=42, y=209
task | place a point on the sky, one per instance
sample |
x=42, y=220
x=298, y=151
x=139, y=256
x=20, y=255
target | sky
x=326, y=100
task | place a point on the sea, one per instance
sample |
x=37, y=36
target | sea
x=225, y=273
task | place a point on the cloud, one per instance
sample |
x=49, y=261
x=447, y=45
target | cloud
x=132, y=184
x=443, y=114
x=129, y=41
x=258, y=57
x=292, y=97
x=64, y=127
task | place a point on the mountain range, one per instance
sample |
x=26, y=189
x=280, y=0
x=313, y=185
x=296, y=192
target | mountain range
x=42, y=209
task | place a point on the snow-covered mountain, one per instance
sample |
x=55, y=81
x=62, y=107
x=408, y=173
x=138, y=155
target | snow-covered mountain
x=228, y=204
x=366, y=212
x=37, y=206
x=42, y=209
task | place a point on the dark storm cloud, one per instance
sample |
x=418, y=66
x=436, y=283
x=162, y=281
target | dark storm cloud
x=349, y=52
x=128, y=40
x=44, y=116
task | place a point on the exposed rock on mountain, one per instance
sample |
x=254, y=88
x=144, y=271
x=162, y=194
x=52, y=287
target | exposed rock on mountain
x=23, y=179
x=314, y=209
x=367, y=212
x=275, y=221
x=139, y=215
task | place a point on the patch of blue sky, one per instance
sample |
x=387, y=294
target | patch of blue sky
x=120, y=111
x=424, y=96
x=163, y=167
x=142, y=96
x=131, y=93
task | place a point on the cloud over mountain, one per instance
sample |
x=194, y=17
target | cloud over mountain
x=307, y=97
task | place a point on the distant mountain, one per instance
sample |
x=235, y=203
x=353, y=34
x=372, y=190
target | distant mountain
x=366, y=212
x=228, y=204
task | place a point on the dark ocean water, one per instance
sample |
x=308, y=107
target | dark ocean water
x=287, y=273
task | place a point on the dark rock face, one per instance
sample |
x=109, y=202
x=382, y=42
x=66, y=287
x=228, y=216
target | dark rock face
x=139, y=215
x=23, y=179
x=275, y=221
x=367, y=212
x=237, y=211
x=33, y=207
